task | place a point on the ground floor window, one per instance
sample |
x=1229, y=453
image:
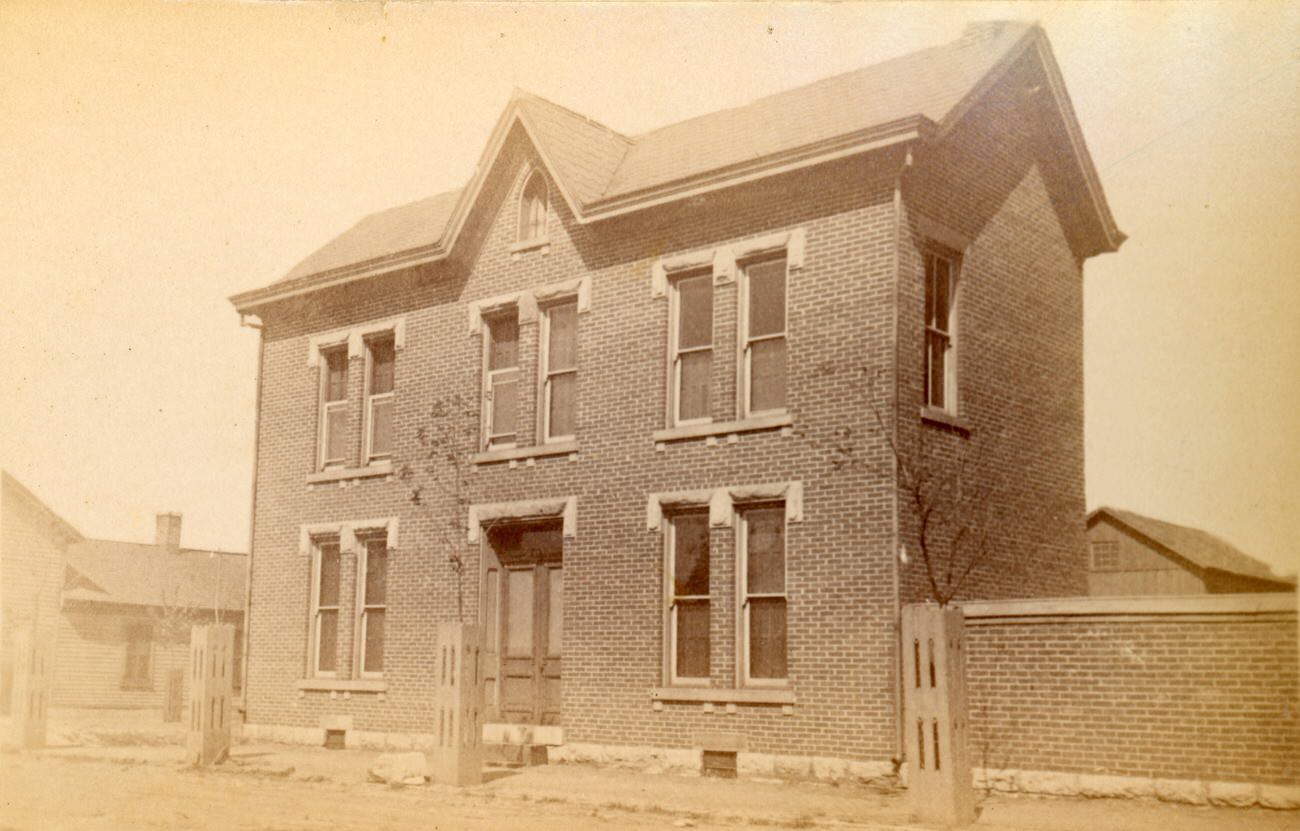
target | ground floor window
x=137, y=674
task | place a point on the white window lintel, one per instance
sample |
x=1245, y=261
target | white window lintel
x=723, y=258
x=355, y=338
x=346, y=532
x=526, y=301
x=722, y=501
x=565, y=507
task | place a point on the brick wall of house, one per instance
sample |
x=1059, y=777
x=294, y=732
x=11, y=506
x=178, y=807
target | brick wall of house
x=840, y=558
x=1019, y=347
x=1202, y=693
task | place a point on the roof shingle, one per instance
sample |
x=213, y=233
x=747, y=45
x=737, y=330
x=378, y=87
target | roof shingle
x=136, y=574
x=1197, y=546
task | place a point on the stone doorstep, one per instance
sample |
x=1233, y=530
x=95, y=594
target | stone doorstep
x=515, y=755
x=522, y=734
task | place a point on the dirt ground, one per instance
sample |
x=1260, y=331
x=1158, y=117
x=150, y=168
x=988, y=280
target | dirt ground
x=290, y=789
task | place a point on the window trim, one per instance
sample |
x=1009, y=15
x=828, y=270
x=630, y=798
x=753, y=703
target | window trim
x=317, y=562
x=489, y=376
x=744, y=367
x=545, y=374
x=362, y=607
x=671, y=598
x=371, y=399
x=522, y=239
x=675, y=352
x=743, y=595
x=951, y=401
x=326, y=408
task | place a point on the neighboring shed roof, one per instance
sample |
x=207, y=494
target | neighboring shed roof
x=12, y=489
x=602, y=173
x=137, y=574
x=1198, y=547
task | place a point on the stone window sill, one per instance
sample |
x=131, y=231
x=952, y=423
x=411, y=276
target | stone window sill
x=527, y=454
x=775, y=421
x=364, y=685
x=943, y=418
x=339, y=474
x=710, y=695
x=543, y=243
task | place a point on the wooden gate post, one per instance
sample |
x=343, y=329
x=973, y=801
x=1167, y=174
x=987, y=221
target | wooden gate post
x=935, y=718
x=33, y=672
x=458, y=705
x=212, y=648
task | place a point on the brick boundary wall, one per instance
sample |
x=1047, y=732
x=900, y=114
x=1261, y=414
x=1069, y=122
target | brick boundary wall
x=1193, y=699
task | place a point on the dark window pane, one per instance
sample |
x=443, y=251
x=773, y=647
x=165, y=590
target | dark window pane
x=374, y=641
x=503, y=336
x=766, y=297
x=562, y=350
x=555, y=613
x=329, y=575
x=564, y=389
x=328, y=623
x=336, y=374
x=381, y=428
x=376, y=571
x=381, y=366
x=937, y=347
x=942, y=293
x=767, y=637
x=505, y=394
x=693, y=639
x=767, y=375
x=695, y=311
x=519, y=613
x=695, y=368
x=765, y=550
x=691, y=554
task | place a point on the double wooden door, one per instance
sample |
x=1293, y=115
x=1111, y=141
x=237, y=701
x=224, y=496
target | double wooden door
x=523, y=617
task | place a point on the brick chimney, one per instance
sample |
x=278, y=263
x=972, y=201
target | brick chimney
x=168, y=534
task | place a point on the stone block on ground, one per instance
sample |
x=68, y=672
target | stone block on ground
x=1096, y=786
x=1051, y=783
x=399, y=768
x=1182, y=791
x=1279, y=797
x=1232, y=794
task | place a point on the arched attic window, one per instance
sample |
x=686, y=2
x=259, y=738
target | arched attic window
x=532, y=208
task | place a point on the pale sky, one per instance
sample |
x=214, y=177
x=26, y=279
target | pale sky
x=155, y=159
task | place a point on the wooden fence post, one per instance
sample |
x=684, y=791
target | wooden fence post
x=212, y=649
x=458, y=705
x=935, y=718
x=33, y=671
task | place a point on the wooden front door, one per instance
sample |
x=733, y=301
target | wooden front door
x=523, y=607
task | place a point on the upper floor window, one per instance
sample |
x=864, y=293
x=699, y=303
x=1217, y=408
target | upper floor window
x=374, y=591
x=691, y=315
x=940, y=343
x=764, y=336
x=334, y=406
x=379, y=398
x=560, y=359
x=689, y=609
x=139, y=651
x=501, y=379
x=532, y=208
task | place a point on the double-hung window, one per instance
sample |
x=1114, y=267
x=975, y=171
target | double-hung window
x=334, y=406
x=374, y=589
x=764, y=336
x=501, y=380
x=139, y=647
x=688, y=574
x=691, y=313
x=325, y=608
x=940, y=352
x=379, y=398
x=761, y=570
x=560, y=360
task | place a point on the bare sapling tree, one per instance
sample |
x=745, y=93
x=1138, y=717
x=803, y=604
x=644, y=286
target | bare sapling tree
x=438, y=479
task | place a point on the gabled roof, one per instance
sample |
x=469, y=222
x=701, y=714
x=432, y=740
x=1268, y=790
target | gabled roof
x=11, y=488
x=601, y=173
x=1192, y=544
x=136, y=574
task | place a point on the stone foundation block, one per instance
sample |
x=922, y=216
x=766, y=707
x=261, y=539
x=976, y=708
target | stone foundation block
x=1048, y=782
x=1095, y=786
x=1182, y=791
x=1279, y=797
x=1233, y=794
x=860, y=771
x=755, y=764
x=830, y=768
x=794, y=767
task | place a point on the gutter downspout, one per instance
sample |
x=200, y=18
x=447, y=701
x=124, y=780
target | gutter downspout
x=252, y=511
x=899, y=742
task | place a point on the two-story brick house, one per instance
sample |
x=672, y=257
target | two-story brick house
x=662, y=339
